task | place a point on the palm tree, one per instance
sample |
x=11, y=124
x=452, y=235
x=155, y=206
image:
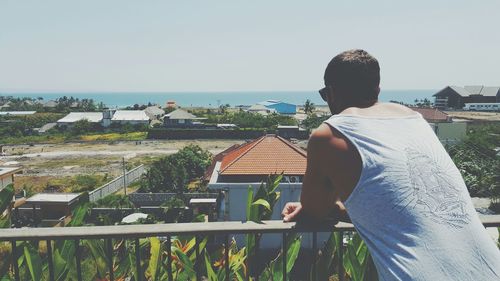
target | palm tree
x=309, y=107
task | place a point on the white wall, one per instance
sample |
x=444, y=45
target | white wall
x=235, y=202
x=5, y=181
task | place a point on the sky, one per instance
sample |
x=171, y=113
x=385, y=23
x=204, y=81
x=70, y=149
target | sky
x=125, y=45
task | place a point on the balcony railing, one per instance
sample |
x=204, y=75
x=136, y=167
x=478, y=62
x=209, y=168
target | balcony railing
x=168, y=230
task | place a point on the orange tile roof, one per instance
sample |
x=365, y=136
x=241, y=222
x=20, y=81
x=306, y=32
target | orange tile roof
x=267, y=155
x=431, y=114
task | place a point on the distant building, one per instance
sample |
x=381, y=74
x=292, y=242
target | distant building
x=154, y=112
x=455, y=97
x=73, y=117
x=261, y=109
x=7, y=175
x=50, y=104
x=443, y=125
x=133, y=117
x=16, y=113
x=45, y=128
x=171, y=104
x=181, y=119
x=280, y=107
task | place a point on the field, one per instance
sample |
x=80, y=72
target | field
x=60, y=167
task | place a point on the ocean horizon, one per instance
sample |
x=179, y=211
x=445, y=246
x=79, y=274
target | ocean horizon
x=214, y=99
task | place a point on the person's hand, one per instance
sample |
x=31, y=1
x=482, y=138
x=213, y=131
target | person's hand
x=291, y=211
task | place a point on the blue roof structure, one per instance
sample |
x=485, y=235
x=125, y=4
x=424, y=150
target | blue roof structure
x=280, y=107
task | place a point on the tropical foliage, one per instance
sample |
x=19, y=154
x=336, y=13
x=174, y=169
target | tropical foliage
x=185, y=260
x=172, y=173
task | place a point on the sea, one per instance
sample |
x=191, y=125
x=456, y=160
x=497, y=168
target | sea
x=214, y=99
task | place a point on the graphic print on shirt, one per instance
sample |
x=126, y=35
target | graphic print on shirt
x=432, y=192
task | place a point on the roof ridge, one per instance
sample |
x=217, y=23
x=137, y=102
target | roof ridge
x=257, y=141
x=293, y=146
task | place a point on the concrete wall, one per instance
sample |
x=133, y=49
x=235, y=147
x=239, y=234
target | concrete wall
x=455, y=131
x=234, y=208
x=5, y=181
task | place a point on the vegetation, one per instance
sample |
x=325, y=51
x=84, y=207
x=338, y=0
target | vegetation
x=249, y=120
x=78, y=183
x=172, y=173
x=312, y=121
x=33, y=259
x=62, y=104
x=479, y=163
x=309, y=107
x=117, y=201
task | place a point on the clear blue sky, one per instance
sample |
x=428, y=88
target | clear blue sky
x=121, y=45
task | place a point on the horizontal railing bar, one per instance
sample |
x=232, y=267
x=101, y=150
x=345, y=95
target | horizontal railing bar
x=211, y=228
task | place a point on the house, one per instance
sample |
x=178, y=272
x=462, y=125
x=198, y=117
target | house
x=16, y=113
x=181, y=119
x=50, y=209
x=446, y=129
x=244, y=166
x=261, y=109
x=171, y=104
x=73, y=117
x=132, y=117
x=154, y=112
x=455, y=97
x=50, y=104
x=7, y=175
x=280, y=107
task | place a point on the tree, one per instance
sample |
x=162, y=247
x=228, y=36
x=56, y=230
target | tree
x=173, y=172
x=309, y=107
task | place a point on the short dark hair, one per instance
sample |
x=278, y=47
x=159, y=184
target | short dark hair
x=355, y=73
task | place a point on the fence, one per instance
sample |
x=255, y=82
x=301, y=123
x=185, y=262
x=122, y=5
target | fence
x=134, y=232
x=117, y=184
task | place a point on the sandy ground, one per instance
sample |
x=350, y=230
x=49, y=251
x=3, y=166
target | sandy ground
x=475, y=115
x=88, y=158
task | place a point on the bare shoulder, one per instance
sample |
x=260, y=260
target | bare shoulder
x=327, y=137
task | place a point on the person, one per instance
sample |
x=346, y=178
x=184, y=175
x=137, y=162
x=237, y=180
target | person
x=382, y=166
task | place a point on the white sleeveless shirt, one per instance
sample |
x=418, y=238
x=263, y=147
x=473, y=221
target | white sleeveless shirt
x=411, y=205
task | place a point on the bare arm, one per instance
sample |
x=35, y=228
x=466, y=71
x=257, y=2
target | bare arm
x=332, y=169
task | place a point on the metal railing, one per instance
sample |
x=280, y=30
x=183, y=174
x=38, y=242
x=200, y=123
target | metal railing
x=135, y=232
x=116, y=184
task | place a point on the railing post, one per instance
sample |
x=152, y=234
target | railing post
x=109, y=250
x=284, y=256
x=197, y=252
x=341, y=256
x=14, y=260
x=78, y=258
x=255, y=267
x=226, y=257
x=138, y=259
x=51, y=263
x=169, y=258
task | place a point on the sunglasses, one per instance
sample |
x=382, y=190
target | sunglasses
x=324, y=92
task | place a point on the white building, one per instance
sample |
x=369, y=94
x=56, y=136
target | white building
x=239, y=167
x=7, y=175
x=73, y=117
x=133, y=117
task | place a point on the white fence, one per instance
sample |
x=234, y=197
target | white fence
x=117, y=184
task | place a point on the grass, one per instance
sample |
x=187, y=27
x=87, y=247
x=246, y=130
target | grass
x=78, y=183
x=114, y=136
x=61, y=138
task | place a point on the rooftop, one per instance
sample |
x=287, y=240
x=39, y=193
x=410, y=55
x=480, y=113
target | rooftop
x=432, y=114
x=180, y=114
x=17, y=112
x=263, y=156
x=130, y=115
x=6, y=171
x=53, y=198
x=93, y=117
